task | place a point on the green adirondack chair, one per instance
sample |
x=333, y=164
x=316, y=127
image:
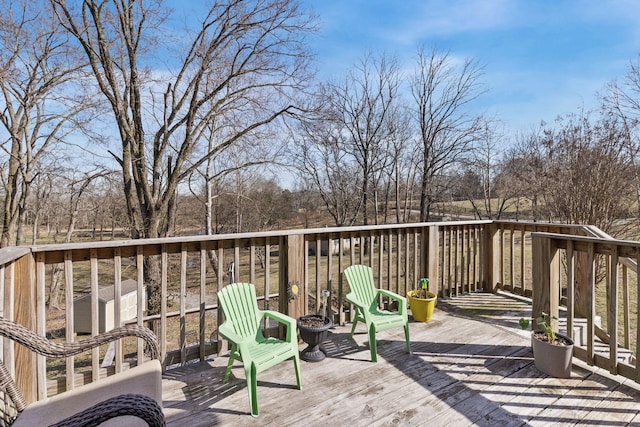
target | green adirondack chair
x=364, y=296
x=242, y=328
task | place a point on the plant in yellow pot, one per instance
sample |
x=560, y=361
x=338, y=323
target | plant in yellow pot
x=421, y=301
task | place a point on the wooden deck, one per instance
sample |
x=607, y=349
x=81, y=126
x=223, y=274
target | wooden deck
x=471, y=365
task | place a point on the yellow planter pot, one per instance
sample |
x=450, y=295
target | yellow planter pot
x=421, y=308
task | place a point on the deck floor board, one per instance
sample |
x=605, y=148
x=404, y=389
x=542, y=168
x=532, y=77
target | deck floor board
x=470, y=365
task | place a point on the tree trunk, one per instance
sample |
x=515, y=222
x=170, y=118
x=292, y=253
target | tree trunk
x=10, y=217
x=424, y=206
x=53, y=300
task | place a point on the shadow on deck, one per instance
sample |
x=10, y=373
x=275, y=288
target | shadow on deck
x=471, y=365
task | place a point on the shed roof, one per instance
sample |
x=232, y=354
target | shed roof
x=105, y=293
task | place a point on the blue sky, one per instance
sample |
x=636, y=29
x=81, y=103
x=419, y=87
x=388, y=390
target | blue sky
x=540, y=58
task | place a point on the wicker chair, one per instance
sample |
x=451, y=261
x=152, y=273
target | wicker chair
x=94, y=403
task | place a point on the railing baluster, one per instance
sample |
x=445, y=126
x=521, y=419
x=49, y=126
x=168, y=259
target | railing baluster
x=457, y=262
x=202, y=314
x=41, y=361
x=522, y=261
x=94, y=312
x=637, y=325
x=69, y=334
x=390, y=260
x=626, y=307
x=305, y=288
x=236, y=261
x=352, y=258
x=164, y=266
x=612, y=315
x=267, y=274
x=252, y=263
x=341, y=293
x=117, y=303
x=476, y=255
x=222, y=345
x=591, y=287
x=407, y=272
x=466, y=285
x=512, y=268
x=318, y=259
x=416, y=262
x=570, y=289
x=381, y=246
x=329, y=271
x=501, y=262
x=9, y=312
x=449, y=278
x=183, y=301
x=141, y=294
x=2, y=299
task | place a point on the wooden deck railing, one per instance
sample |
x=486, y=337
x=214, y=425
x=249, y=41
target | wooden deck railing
x=458, y=257
x=597, y=279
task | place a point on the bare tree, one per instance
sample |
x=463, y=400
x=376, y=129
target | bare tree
x=411, y=166
x=524, y=168
x=237, y=159
x=240, y=64
x=483, y=173
x=589, y=173
x=365, y=104
x=323, y=164
x=42, y=102
x=396, y=173
x=441, y=93
x=77, y=188
x=623, y=100
x=579, y=169
x=108, y=216
x=42, y=187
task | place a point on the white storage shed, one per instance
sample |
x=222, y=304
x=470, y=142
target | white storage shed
x=106, y=307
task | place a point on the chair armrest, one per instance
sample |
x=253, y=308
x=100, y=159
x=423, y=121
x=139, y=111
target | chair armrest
x=392, y=295
x=137, y=405
x=41, y=345
x=229, y=334
x=288, y=321
x=280, y=317
x=351, y=297
x=402, y=301
x=45, y=347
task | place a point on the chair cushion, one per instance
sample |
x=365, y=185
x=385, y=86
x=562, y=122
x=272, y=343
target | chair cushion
x=144, y=379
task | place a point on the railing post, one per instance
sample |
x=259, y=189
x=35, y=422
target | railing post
x=490, y=265
x=581, y=285
x=433, y=258
x=546, y=279
x=292, y=274
x=25, y=313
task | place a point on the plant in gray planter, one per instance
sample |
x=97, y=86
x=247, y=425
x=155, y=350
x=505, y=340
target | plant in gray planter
x=313, y=331
x=552, y=351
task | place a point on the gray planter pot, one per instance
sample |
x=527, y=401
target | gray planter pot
x=552, y=359
x=314, y=336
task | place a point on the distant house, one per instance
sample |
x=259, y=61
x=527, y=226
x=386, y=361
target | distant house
x=106, y=307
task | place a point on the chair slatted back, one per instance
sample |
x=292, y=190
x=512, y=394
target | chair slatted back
x=360, y=280
x=240, y=307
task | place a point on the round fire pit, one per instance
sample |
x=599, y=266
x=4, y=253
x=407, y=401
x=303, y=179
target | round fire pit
x=313, y=330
